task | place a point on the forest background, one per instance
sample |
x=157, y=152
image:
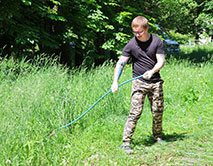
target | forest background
x=90, y=32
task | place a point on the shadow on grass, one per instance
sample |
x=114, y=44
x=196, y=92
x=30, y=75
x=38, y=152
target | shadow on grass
x=166, y=138
x=196, y=55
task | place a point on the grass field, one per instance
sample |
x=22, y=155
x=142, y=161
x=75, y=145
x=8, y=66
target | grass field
x=41, y=97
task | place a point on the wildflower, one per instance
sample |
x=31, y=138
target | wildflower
x=8, y=162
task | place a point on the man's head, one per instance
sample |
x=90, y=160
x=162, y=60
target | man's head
x=140, y=26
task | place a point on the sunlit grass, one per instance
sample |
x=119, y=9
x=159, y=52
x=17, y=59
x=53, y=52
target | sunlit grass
x=36, y=100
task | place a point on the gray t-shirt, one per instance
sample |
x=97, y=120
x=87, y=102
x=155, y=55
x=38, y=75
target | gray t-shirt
x=144, y=55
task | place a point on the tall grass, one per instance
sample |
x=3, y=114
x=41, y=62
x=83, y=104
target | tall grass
x=38, y=98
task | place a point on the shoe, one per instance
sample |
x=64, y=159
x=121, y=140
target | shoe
x=127, y=149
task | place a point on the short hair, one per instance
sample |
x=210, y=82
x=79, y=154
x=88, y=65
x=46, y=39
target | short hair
x=140, y=21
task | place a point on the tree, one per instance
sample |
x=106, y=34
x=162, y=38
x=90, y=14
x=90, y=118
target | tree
x=205, y=18
x=91, y=31
x=186, y=17
x=26, y=24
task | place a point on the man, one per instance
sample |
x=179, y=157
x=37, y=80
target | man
x=148, y=58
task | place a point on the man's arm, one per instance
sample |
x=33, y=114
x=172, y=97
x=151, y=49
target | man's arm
x=160, y=63
x=118, y=71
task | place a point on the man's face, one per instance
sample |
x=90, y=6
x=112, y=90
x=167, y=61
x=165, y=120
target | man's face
x=139, y=32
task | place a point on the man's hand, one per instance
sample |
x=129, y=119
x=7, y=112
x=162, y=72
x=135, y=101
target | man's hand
x=114, y=87
x=148, y=74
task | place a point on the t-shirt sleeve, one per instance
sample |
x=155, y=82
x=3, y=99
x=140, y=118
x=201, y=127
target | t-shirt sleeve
x=127, y=50
x=160, y=49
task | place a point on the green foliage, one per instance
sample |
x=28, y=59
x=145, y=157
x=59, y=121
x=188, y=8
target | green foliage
x=92, y=31
x=180, y=38
x=95, y=28
x=189, y=17
x=190, y=95
x=27, y=3
x=24, y=25
x=205, y=18
x=97, y=21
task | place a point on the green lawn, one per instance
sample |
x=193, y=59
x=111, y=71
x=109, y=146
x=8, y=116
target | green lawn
x=36, y=100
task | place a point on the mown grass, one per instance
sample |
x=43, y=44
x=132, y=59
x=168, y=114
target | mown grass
x=37, y=99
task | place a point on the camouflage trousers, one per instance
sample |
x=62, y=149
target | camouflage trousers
x=154, y=91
